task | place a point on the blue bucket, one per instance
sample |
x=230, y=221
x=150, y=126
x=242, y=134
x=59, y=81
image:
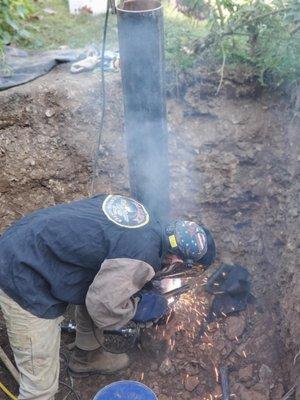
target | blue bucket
x=125, y=390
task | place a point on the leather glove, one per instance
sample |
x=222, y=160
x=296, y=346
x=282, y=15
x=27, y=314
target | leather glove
x=151, y=306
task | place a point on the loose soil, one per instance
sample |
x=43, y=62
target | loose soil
x=233, y=167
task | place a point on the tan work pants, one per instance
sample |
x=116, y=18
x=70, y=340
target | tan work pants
x=35, y=343
x=88, y=337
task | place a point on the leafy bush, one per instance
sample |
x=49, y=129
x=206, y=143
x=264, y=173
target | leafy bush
x=196, y=8
x=13, y=13
x=180, y=32
x=262, y=33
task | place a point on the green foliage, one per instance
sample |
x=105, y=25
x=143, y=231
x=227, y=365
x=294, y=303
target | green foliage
x=65, y=29
x=263, y=34
x=180, y=32
x=196, y=8
x=78, y=31
x=13, y=13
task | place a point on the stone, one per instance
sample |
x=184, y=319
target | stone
x=49, y=11
x=266, y=375
x=186, y=396
x=166, y=367
x=49, y=112
x=243, y=393
x=4, y=185
x=261, y=388
x=192, y=369
x=217, y=393
x=227, y=350
x=153, y=366
x=155, y=388
x=191, y=383
x=278, y=392
x=245, y=374
x=235, y=327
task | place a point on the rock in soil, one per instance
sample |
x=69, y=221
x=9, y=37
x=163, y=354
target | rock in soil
x=166, y=367
x=243, y=393
x=246, y=373
x=278, y=392
x=235, y=327
x=266, y=375
x=191, y=383
x=153, y=366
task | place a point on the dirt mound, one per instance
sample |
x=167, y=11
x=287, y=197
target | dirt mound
x=232, y=161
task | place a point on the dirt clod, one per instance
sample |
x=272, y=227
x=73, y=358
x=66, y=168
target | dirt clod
x=277, y=392
x=166, y=367
x=235, y=327
x=191, y=383
x=242, y=393
x=49, y=112
x=266, y=375
x=246, y=373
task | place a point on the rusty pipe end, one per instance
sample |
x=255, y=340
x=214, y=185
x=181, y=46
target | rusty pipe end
x=139, y=5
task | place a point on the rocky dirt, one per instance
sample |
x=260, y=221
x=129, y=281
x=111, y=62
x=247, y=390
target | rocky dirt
x=233, y=161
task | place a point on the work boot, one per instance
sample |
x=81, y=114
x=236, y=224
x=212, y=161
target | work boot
x=96, y=362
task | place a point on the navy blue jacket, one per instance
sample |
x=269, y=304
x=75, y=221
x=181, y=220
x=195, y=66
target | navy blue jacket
x=50, y=257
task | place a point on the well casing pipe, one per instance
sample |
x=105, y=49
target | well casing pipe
x=141, y=41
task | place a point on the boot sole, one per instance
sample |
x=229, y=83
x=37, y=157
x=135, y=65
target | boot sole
x=90, y=373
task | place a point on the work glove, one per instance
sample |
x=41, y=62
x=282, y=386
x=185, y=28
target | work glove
x=151, y=306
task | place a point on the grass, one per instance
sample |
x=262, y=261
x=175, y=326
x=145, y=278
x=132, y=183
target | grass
x=78, y=31
x=180, y=33
x=65, y=29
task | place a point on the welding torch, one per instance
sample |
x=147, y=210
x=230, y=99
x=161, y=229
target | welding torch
x=131, y=331
x=176, y=293
x=172, y=296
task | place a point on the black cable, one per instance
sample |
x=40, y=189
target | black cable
x=64, y=360
x=103, y=95
x=77, y=396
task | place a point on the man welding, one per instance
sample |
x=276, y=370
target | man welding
x=96, y=253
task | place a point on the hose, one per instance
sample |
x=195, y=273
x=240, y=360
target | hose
x=77, y=396
x=103, y=95
x=6, y=391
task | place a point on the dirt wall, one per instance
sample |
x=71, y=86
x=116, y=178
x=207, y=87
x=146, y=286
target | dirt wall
x=233, y=161
x=289, y=268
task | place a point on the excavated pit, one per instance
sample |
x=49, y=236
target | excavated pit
x=233, y=162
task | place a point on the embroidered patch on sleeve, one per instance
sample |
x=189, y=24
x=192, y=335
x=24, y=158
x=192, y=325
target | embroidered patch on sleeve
x=125, y=211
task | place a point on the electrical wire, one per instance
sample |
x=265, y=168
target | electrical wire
x=103, y=95
x=77, y=396
x=12, y=397
x=6, y=391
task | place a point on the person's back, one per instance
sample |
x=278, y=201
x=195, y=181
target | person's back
x=99, y=254
x=50, y=257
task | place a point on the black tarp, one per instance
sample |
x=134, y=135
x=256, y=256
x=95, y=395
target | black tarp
x=230, y=285
x=21, y=66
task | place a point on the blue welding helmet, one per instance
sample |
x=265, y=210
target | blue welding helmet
x=190, y=241
x=125, y=390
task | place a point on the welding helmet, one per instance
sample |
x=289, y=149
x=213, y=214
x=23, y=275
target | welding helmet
x=190, y=241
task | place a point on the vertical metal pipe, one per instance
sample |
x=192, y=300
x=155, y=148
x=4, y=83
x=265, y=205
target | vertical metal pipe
x=141, y=41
